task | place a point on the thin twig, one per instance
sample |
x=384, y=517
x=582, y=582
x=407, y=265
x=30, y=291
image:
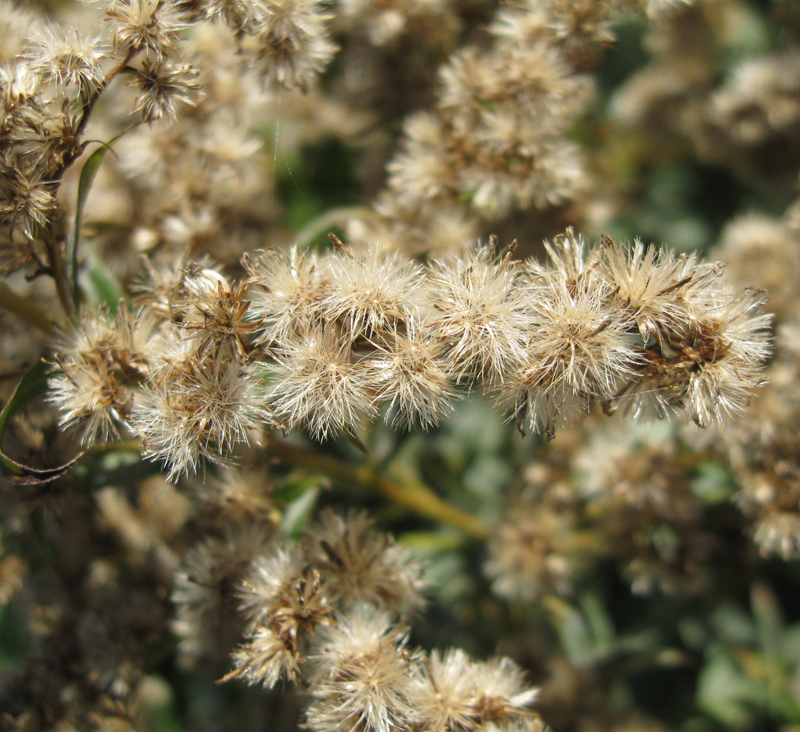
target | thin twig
x=88, y=107
x=55, y=257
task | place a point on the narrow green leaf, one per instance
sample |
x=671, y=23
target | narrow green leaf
x=575, y=636
x=104, y=288
x=298, y=512
x=433, y=542
x=292, y=487
x=768, y=620
x=88, y=174
x=598, y=623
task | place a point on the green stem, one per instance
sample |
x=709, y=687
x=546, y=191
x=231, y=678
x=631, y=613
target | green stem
x=412, y=493
x=86, y=180
x=24, y=309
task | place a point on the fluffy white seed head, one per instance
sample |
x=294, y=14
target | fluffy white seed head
x=479, y=314
x=363, y=675
x=286, y=291
x=317, y=384
x=363, y=565
x=370, y=291
x=199, y=410
x=411, y=375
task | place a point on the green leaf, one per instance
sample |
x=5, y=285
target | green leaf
x=575, y=635
x=297, y=513
x=159, y=705
x=88, y=174
x=433, y=542
x=104, y=288
x=712, y=482
x=598, y=622
x=726, y=693
x=790, y=645
x=769, y=624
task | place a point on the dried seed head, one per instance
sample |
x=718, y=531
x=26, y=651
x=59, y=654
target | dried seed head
x=164, y=85
x=363, y=677
x=146, y=25
x=362, y=565
x=479, y=313
x=318, y=385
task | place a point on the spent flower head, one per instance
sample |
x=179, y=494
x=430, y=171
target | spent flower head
x=68, y=57
x=146, y=25
x=198, y=410
x=363, y=676
x=362, y=565
x=478, y=309
x=164, y=85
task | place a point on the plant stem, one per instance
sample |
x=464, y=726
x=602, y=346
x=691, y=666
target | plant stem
x=24, y=309
x=412, y=493
x=56, y=262
x=88, y=107
x=55, y=258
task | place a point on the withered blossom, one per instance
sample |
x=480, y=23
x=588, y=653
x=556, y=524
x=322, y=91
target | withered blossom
x=363, y=675
x=205, y=594
x=68, y=57
x=163, y=86
x=198, y=410
x=145, y=25
x=363, y=565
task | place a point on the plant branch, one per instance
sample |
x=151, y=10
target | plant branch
x=66, y=295
x=88, y=107
x=412, y=493
x=55, y=262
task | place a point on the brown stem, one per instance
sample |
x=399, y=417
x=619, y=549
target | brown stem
x=55, y=261
x=54, y=255
x=412, y=493
x=88, y=106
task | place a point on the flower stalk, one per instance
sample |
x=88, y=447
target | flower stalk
x=411, y=493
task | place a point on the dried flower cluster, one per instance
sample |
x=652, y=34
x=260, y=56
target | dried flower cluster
x=327, y=340
x=328, y=611
x=496, y=140
x=53, y=80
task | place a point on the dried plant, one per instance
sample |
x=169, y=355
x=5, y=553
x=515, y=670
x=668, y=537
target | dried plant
x=313, y=384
